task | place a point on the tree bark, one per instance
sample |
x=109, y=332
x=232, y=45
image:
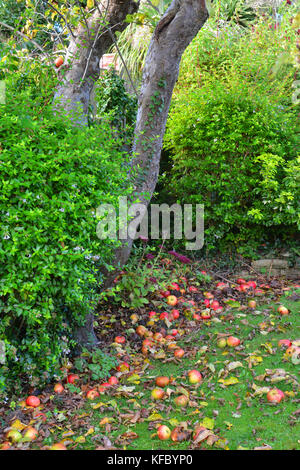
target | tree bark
x=81, y=67
x=173, y=33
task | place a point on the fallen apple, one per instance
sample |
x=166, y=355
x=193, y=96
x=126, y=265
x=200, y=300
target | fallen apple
x=163, y=432
x=283, y=310
x=33, y=401
x=30, y=434
x=13, y=435
x=175, y=314
x=172, y=300
x=222, y=343
x=58, y=446
x=113, y=380
x=72, y=378
x=58, y=388
x=120, y=339
x=141, y=330
x=92, y=394
x=162, y=381
x=194, y=376
x=275, y=395
x=252, y=304
x=181, y=400
x=232, y=341
x=157, y=394
x=178, y=353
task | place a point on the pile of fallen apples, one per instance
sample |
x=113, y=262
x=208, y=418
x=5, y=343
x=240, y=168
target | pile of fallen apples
x=151, y=343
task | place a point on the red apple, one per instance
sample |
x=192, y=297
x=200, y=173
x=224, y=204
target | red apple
x=59, y=61
x=92, y=394
x=194, y=376
x=152, y=314
x=58, y=388
x=232, y=341
x=285, y=342
x=120, y=339
x=215, y=305
x=157, y=394
x=113, y=380
x=175, y=313
x=163, y=315
x=72, y=378
x=33, y=401
x=103, y=387
x=181, y=400
x=163, y=432
x=30, y=434
x=283, y=310
x=275, y=395
x=162, y=381
x=178, y=353
x=58, y=446
x=252, y=304
x=205, y=315
x=123, y=367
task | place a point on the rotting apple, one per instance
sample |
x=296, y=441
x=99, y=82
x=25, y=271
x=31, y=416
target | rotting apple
x=58, y=388
x=13, y=435
x=92, y=394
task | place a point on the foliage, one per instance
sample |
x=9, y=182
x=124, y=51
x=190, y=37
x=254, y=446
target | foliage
x=96, y=363
x=136, y=281
x=232, y=135
x=111, y=98
x=53, y=177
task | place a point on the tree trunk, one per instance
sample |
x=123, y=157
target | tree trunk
x=173, y=33
x=82, y=62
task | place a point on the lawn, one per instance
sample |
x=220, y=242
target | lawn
x=228, y=409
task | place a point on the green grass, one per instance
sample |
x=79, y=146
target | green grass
x=242, y=419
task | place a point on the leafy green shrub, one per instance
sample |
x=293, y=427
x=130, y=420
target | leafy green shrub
x=95, y=363
x=53, y=177
x=232, y=136
x=112, y=98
